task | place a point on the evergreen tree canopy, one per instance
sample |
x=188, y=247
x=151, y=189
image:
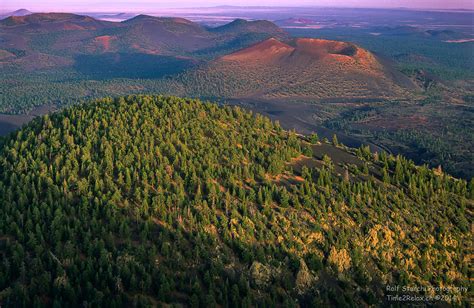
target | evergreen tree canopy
x=149, y=200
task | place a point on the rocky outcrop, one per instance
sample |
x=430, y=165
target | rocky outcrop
x=260, y=274
x=304, y=279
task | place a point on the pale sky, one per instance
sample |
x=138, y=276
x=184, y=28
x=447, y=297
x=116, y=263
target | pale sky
x=144, y=5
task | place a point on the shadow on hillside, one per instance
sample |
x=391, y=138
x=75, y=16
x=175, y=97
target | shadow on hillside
x=6, y=128
x=130, y=65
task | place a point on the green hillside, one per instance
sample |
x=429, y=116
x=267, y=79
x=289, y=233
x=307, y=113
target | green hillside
x=150, y=200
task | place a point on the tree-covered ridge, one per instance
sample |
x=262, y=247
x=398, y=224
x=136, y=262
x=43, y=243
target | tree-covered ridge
x=154, y=200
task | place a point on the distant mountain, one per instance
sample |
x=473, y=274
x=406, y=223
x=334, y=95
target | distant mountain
x=49, y=22
x=142, y=33
x=243, y=59
x=140, y=19
x=398, y=30
x=301, y=68
x=165, y=35
x=294, y=22
x=255, y=26
x=145, y=40
x=268, y=51
x=113, y=17
x=439, y=34
x=20, y=12
x=445, y=34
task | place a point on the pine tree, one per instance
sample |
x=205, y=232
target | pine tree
x=335, y=142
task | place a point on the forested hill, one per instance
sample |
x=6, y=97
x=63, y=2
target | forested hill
x=152, y=200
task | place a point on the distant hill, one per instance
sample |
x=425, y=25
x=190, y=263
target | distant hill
x=445, y=34
x=49, y=22
x=113, y=17
x=144, y=201
x=164, y=35
x=255, y=26
x=295, y=22
x=20, y=12
x=300, y=68
x=82, y=41
x=438, y=34
x=140, y=19
x=243, y=59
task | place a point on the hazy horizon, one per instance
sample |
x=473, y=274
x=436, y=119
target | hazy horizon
x=149, y=5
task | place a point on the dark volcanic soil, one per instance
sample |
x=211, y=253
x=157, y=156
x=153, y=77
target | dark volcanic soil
x=11, y=122
x=298, y=116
